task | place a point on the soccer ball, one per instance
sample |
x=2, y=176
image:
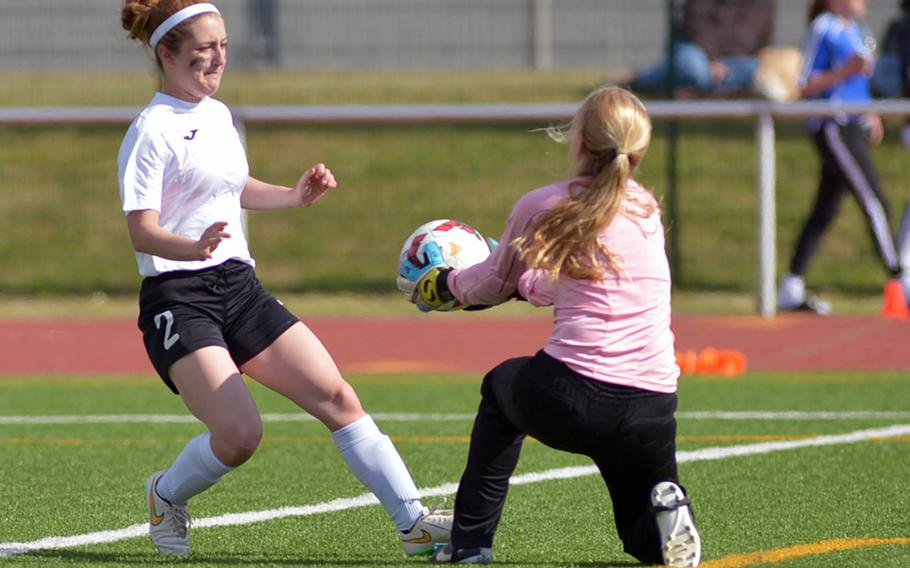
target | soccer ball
x=461, y=244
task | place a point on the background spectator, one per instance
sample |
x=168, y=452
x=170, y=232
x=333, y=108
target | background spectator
x=890, y=77
x=718, y=47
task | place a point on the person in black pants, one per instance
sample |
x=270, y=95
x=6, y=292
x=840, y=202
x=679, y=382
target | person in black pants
x=605, y=385
x=900, y=38
x=629, y=433
x=837, y=67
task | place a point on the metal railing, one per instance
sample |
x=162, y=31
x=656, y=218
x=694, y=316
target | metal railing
x=764, y=113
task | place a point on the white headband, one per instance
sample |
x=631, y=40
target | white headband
x=178, y=18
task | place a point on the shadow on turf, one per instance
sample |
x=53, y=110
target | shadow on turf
x=145, y=559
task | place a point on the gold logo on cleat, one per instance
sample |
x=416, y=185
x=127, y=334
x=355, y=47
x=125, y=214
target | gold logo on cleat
x=154, y=519
x=423, y=538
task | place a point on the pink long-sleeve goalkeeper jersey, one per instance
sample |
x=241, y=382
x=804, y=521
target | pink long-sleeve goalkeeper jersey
x=615, y=330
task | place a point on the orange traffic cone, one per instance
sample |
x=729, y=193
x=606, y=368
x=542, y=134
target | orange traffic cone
x=732, y=363
x=707, y=361
x=895, y=305
x=711, y=361
x=686, y=361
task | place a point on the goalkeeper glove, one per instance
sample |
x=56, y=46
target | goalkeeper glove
x=432, y=292
x=420, y=280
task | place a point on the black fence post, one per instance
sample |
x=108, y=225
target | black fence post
x=673, y=237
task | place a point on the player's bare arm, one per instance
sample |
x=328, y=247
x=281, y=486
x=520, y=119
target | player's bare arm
x=149, y=237
x=822, y=81
x=873, y=127
x=314, y=183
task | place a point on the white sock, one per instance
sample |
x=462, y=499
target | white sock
x=792, y=291
x=196, y=469
x=373, y=459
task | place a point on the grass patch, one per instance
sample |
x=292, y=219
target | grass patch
x=65, y=233
x=744, y=504
x=273, y=87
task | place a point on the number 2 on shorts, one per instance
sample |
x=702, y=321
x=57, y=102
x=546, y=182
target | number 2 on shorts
x=168, y=317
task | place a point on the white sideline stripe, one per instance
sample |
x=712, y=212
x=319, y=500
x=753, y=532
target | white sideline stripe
x=704, y=454
x=790, y=415
x=413, y=417
x=186, y=418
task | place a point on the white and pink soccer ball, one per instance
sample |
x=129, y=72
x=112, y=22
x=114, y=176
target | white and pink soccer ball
x=461, y=244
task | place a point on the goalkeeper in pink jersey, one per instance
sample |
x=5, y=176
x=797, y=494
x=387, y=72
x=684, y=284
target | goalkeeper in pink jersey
x=605, y=383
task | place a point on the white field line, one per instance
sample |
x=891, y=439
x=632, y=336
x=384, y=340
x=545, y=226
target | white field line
x=186, y=418
x=415, y=417
x=792, y=415
x=704, y=454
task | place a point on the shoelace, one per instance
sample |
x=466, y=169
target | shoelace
x=440, y=516
x=180, y=520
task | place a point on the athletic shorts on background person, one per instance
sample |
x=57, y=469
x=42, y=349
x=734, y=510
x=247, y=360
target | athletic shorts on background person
x=225, y=305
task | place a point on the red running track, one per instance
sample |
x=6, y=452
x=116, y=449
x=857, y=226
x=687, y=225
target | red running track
x=796, y=342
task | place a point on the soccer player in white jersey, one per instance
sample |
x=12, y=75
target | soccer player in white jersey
x=604, y=386
x=205, y=318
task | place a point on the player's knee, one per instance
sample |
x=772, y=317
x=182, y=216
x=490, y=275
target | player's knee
x=239, y=440
x=825, y=216
x=505, y=371
x=345, y=399
x=336, y=407
x=486, y=386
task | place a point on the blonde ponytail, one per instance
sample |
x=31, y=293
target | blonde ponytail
x=609, y=136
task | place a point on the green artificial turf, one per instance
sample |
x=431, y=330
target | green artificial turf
x=74, y=479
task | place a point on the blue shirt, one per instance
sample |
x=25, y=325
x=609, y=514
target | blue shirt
x=830, y=43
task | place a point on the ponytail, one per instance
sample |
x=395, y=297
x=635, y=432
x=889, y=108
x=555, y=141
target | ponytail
x=609, y=134
x=134, y=17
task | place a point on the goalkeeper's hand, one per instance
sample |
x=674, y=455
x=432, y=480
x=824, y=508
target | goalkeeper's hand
x=425, y=285
x=432, y=292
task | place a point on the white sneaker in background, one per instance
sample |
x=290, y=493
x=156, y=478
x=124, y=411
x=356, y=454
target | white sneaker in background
x=792, y=297
x=680, y=544
x=792, y=292
x=169, y=524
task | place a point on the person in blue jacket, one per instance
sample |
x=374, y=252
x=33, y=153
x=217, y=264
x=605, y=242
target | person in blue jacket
x=838, y=63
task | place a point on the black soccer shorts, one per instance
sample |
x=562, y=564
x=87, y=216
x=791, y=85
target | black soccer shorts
x=225, y=305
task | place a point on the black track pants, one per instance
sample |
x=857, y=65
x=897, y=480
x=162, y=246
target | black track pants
x=846, y=166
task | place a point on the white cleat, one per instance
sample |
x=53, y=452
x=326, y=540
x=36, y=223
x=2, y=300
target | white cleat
x=430, y=532
x=169, y=524
x=680, y=544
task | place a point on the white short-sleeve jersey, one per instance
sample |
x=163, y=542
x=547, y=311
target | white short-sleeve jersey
x=185, y=161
